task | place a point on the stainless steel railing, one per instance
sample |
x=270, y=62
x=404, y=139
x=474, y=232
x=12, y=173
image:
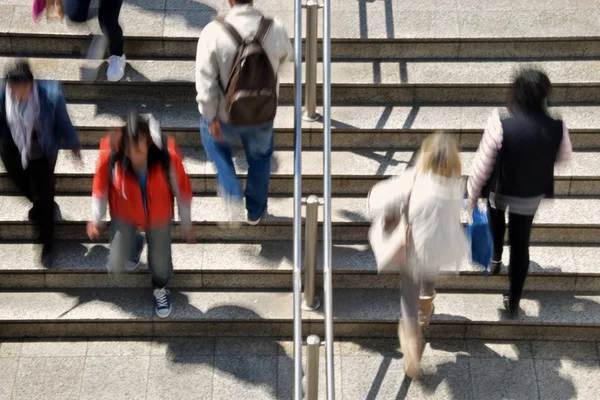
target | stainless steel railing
x=298, y=201
x=308, y=300
x=327, y=240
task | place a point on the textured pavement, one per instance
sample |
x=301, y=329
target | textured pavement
x=261, y=368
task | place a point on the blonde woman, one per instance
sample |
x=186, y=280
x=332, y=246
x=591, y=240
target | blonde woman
x=434, y=190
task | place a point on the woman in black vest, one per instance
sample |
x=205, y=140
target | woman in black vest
x=514, y=171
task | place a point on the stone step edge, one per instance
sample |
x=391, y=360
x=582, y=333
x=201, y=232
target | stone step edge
x=352, y=322
x=341, y=40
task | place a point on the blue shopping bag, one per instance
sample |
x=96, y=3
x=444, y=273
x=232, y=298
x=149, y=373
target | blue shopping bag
x=480, y=237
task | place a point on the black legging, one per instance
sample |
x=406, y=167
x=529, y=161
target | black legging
x=519, y=232
x=108, y=16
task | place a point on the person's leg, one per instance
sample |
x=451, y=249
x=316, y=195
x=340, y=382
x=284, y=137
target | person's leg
x=108, y=16
x=122, y=245
x=497, y=221
x=258, y=145
x=426, y=298
x=42, y=179
x=11, y=158
x=409, y=329
x=219, y=153
x=77, y=10
x=519, y=232
x=160, y=264
x=159, y=255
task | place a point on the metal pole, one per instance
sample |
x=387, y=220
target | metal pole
x=310, y=100
x=313, y=343
x=327, y=242
x=311, y=301
x=297, y=282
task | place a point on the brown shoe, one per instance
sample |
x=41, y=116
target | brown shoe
x=412, y=349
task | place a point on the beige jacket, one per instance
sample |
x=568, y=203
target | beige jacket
x=216, y=49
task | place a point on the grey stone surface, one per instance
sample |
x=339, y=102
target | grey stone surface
x=241, y=346
x=10, y=348
x=115, y=377
x=77, y=304
x=57, y=378
x=54, y=348
x=285, y=378
x=512, y=350
x=559, y=350
x=245, y=377
x=500, y=379
x=186, y=24
x=363, y=374
x=567, y=379
x=187, y=377
x=117, y=347
x=9, y=368
x=175, y=347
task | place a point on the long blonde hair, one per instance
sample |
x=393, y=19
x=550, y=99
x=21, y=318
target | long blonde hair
x=439, y=154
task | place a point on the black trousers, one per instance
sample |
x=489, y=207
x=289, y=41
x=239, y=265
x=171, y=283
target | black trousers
x=519, y=233
x=108, y=16
x=36, y=183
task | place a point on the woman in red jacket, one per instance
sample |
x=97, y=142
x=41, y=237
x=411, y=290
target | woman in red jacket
x=139, y=174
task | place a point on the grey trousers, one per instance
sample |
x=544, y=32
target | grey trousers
x=409, y=300
x=122, y=250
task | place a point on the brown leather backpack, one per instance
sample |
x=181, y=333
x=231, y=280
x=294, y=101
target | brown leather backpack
x=251, y=93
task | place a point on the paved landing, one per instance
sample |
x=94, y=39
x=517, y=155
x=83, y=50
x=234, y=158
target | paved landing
x=262, y=368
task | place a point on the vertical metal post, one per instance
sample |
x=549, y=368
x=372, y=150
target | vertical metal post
x=310, y=300
x=313, y=343
x=327, y=240
x=310, y=90
x=297, y=282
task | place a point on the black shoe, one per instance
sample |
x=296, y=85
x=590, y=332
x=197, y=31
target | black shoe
x=496, y=267
x=47, y=256
x=506, y=302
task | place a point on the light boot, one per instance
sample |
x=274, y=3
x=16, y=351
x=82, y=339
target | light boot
x=426, y=309
x=412, y=349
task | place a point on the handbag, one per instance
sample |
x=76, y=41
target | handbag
x=389, y=239
x=480, y=238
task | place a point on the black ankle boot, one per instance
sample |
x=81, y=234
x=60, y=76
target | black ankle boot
x=496, y=267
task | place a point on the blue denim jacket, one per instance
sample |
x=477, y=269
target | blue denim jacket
x=55, y=130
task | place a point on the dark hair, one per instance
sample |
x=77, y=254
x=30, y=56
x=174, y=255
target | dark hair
x=19, y=73
x=136, y=128
x=529, y=91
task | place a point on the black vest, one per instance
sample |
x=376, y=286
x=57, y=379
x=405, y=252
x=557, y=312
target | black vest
x=525, y=164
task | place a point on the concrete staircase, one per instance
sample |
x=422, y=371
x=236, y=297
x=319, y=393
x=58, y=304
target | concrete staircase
x=393, y=84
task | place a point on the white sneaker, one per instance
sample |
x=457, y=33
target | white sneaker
x=116, y=68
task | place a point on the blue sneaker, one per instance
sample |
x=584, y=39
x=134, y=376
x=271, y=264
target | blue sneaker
x=162, y=299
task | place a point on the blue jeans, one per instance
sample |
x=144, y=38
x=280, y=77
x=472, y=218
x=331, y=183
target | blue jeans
x=123, y=249
x=258, y=146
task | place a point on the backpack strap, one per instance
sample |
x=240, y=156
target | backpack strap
x=232, y=31
x=263, y=29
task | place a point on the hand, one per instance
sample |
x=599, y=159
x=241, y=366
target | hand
x=190, y=236
x=215, y=130
x=470, y=212
x=92, y=231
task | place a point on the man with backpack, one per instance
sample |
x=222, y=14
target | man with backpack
x=237, y=63
x=139, y=172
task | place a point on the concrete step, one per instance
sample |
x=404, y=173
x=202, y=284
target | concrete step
x=354, y=172
x=365, y=126
x=264, y=265
x=376, y=29
x=357, y=312
x=567, y=221
x=372, y=82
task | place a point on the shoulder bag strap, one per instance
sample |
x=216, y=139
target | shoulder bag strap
x=231, y=30
x=263, y=29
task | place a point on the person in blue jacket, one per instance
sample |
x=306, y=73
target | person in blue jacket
x=34, y=125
